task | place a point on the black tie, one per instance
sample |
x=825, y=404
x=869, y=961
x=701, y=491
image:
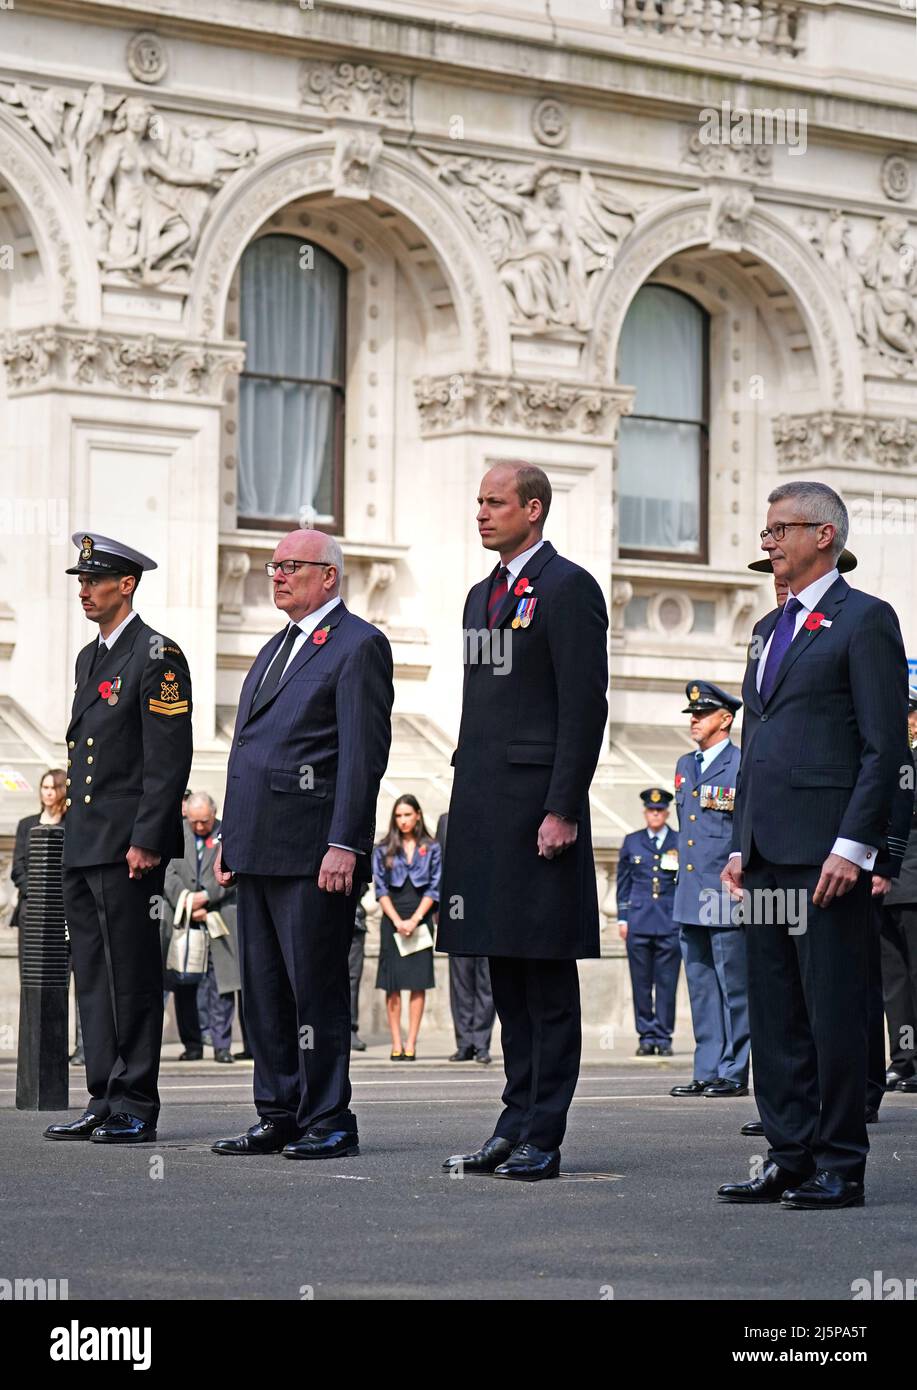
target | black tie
x=276, y=670
x=98, y=655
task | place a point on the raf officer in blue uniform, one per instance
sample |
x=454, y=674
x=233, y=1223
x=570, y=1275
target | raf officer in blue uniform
x=647, y=868
x=712, y=942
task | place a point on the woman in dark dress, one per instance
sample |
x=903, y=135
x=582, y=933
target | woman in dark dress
x=407, y=866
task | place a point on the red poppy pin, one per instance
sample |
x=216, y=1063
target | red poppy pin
x=105, y=689
x=320, y=634
x=422, y=849
x=816, y=620
x=521, y=586
x=208, y=843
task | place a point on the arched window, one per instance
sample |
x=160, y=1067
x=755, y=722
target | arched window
x=291, y=397
x=663, y=446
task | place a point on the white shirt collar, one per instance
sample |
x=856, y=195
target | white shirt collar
x=310, y=622
x=709, y=755
x=517, y=565
x=813, y=593
x=112, y=637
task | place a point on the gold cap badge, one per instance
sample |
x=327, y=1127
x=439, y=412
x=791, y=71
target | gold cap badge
x=86, y=552
x=694, y=693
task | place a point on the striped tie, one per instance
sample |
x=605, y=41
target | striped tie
x=498, y=591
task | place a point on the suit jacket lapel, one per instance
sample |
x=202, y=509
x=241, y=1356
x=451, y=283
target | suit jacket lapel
x=750, y=697
x=307, y=651
x=256, y=675
x=829, y=605
x=112, y=664
x=711, y=770
x=532, y=570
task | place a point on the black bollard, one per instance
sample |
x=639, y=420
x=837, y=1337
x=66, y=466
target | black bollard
x=42, y=1071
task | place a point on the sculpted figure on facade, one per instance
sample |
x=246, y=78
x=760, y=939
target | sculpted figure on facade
x=548, y=235
x=145, y=183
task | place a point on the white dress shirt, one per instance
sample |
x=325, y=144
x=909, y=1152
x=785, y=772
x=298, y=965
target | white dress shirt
x=864, y=856
x=517, y=565
x=112, y=637
x=710, y=755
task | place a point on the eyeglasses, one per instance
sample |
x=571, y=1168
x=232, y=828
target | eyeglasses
x=780, y=528
x=291, y=566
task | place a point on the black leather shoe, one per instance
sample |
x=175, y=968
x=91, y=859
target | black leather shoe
x=317, y=1143
x=222, y=1054
x=664, y=1050
x=872, y=1116
x=908, y=1085
x=124, y=1129
x=463, y=1054
x=243, y=1056
x=725, y=1088
x=77, y=1058
x=770, y=1187
x=483, y=1057
x=896, y=1074
x=825, y=1191
x=483, y=1160
x=753, y=1127
x=646, y=1050
x=356, y=1042
x=528, y=1164
x=696, y=1088
x=263, y=1138
x=191, y=1054
x=76, y=1129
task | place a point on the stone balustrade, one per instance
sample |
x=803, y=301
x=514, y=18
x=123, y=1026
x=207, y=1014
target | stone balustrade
x=771, y=27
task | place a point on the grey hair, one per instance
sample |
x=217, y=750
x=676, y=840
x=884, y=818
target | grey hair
x=203, y=796
x=332, y=554
x=818, y=502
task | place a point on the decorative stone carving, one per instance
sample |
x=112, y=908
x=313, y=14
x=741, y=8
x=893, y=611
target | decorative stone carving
x=378, y=591
x=147, y=58
x=538, y=406
x=730, y=213
x=234, y=567
x=55, y=358
x=879, y=285
x=771, y=27
x=355, y=157
x=622, y=591
x=550, y=122
x=145, y=182
x=550, y=235
x=15, y=167
x=896, y=178
x=355, y=89
x=848, y=439
x=731, y=156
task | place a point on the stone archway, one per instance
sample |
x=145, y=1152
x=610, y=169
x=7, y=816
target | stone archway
x=697, y=220
x=243, y=207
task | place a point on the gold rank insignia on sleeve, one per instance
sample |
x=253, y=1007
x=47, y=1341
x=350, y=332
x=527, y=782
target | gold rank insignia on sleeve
x=170, y=701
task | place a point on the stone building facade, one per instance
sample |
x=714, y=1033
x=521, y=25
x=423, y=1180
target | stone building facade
x=262, y=261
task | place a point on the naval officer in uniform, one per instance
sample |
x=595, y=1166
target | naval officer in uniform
x=128, y=757
x=712, y=943
x=647, y=867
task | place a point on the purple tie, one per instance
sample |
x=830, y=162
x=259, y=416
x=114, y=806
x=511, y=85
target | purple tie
x=784, y=633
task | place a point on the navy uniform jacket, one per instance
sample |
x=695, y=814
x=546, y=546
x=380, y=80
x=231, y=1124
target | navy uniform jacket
x=646, y=893
x=822, y=758
x=531, y=733
x=304, y=770
x=704, y=802
x=128, y=763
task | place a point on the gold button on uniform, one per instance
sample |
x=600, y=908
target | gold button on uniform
x=67, y=802
x=89, y=798
x=71, y=744
x=88, y=780
x=89, y=759
x=89, y=743
x=690, y=866
x=68, y=781
x=694, y=793
x=690, y=842
x=692, y=816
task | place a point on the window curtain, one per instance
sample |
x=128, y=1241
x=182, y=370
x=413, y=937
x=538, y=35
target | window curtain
x=291, y=322
x=659, y=461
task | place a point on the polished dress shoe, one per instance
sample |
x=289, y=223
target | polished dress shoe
x=646, y=1050
x=263, y=1138
x=696, y=1088
x=483, y=1160
x=664, y=1050
x=825, y=1191
x=76, y=1129
x=770, y=1187
x=327, y=1143
x=222, y=1054
x=528, y=1164
x=244, y=1056
x=725, y=1088
x=483, y=1057
x=356, y=1042
x=191, y=1054
x=908, y=1085
x=463, y=1054
x=872, y=1116
x=124, y=1129
x=894, y=1075
x=752, y=1127
x=77, y=1058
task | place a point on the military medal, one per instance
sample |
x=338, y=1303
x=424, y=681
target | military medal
x=115, y=688
x=528, y=610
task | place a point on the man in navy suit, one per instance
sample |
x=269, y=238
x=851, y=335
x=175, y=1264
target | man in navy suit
x=311, y=743
x=519, y=875
x=647, y=868
x=825, y=698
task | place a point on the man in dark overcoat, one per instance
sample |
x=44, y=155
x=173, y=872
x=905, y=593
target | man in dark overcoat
x=519, y=878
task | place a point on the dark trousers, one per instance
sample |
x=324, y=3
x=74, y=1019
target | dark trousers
x=538, y=1005
x=186, y=1017
x=472, y=1002
x=654, y=965
x=355, y=970
x=899, y=982
x=875, y=1026
x=294, y=942
x=117, y=961
x=220, y=1009
x=808, y=997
